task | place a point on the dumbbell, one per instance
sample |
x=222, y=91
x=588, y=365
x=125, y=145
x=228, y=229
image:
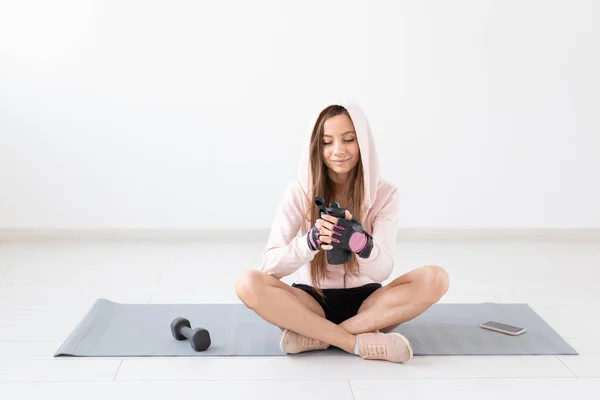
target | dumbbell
x=199, y=338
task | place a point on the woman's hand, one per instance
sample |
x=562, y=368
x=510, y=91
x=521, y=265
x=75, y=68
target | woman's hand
x=325, y=224
x=346, y=234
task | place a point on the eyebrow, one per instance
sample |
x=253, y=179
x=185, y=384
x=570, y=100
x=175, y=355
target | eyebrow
x=345, y=133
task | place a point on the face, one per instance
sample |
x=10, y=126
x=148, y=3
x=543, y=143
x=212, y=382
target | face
x=340, y=147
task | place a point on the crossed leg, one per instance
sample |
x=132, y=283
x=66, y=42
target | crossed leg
x=403, y=299
x=290, y=308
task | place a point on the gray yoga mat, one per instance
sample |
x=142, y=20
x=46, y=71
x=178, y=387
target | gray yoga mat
x=139, y=330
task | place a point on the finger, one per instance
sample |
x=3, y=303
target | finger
x=325, y=246
x=323, y=221
x=348, y=215
x=325, y=224
x=325, y=239
x=319, y=225
x=330, y=218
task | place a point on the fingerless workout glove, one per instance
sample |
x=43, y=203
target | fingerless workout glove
x=350, y=235
x=313, y=239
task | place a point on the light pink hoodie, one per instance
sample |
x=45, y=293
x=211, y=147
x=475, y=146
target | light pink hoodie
x=287, y=250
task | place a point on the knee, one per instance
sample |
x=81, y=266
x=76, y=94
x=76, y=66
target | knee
x=436, y=280
x=248, y=285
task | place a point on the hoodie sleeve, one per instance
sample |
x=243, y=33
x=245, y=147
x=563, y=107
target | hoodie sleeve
x=380, y=263
x=286, y=251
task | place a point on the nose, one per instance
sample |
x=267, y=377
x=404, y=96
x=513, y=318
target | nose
x=339, y=149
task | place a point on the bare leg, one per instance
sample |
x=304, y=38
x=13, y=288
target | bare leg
x=401, y=300
x=290, y=308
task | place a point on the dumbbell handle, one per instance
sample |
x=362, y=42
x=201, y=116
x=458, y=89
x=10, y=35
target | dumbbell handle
x=187, y=332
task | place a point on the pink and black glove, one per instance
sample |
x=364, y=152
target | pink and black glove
x=314, y=243
x=350, y=235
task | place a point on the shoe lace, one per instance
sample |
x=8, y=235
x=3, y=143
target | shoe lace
x=376, y=349
x=311, y=342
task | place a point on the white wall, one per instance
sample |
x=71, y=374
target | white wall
x=173, y=114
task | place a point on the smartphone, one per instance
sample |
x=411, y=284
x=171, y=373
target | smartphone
x=503, y=328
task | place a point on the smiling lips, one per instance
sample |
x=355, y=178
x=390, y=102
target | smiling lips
x=340, y=162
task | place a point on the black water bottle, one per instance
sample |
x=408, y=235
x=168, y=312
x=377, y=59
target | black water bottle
x=334, y=256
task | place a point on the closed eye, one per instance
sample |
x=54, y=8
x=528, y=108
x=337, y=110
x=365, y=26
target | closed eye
x=346, y=141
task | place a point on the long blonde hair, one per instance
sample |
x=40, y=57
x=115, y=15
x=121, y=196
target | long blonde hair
x=321, y=185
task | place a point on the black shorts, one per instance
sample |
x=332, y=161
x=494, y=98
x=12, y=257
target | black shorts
x=340, y=304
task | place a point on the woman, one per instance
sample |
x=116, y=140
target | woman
x=341, y=305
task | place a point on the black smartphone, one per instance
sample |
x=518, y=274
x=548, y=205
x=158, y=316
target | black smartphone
x=503, y=328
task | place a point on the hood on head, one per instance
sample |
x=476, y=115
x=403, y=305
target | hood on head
x=366, y=144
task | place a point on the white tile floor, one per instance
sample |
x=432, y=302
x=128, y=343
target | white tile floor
x=45, y=289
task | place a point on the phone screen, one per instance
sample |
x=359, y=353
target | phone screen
x=505, y=327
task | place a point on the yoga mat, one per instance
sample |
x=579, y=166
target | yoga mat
x=111, y=329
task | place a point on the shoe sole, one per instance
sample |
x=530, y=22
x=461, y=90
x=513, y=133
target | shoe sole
x=283, y=334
